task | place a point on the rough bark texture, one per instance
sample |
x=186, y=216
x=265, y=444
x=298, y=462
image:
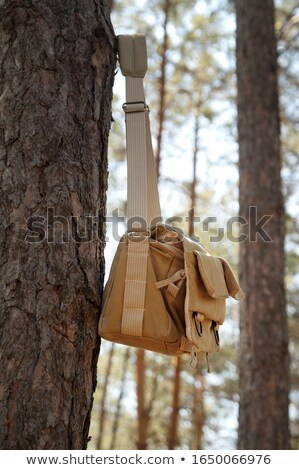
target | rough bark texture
x=264, y=379
x=57, y=63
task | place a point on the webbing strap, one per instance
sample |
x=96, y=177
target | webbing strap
x=135, y=286
x=142, y=189
x=136, y=154
x=143, y=205
x=173, y=283
x=186, y=345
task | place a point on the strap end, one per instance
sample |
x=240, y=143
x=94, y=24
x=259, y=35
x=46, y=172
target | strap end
x=132, y=55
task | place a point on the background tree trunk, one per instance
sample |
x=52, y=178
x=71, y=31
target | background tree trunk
x=162, y=85
x=264, y=378
x=142, y=410
x=57, y=62
x=198, y=411
x=103, y=405
x=175, y=406
x=117, y=414
x=194, y=178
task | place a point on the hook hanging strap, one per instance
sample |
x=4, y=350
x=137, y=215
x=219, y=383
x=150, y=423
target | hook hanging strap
x=143, y=205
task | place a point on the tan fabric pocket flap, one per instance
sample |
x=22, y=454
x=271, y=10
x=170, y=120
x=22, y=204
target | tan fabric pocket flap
x=218, y=277
x=232, y=284
x=212, y=274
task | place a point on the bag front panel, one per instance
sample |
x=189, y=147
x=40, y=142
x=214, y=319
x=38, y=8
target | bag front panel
x=165, y=265
x=159, y=332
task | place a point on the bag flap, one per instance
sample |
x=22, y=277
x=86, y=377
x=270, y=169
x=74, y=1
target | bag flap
x=213, y=276
x=232, y=284
x=218, y=277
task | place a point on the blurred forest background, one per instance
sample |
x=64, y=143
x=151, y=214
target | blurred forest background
x=148, y=400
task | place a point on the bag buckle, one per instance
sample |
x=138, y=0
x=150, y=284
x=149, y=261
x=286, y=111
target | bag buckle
x=197, y=322
x=136, y=107
x=216, y=333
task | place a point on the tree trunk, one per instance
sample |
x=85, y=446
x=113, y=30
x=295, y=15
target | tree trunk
x=120, y=398
x=142, y=410
x=199, y=381
x=198, y=411
x=264, y=376
x=162, y=85
x=194, y=178
x=174, y=417
x=102, y=417
x=57, y=62
x=145, y=407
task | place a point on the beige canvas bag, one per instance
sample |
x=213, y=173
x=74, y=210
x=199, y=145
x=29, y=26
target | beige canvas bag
x=165, y=293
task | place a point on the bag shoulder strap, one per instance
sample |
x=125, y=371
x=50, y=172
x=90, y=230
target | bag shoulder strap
x=143, y=205
x=142, y=189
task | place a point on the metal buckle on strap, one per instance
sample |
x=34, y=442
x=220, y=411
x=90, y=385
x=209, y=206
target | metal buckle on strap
x=135, y=108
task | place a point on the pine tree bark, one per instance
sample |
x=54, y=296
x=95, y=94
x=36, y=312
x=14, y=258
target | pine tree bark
x=57, y=62
x=264, y=377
